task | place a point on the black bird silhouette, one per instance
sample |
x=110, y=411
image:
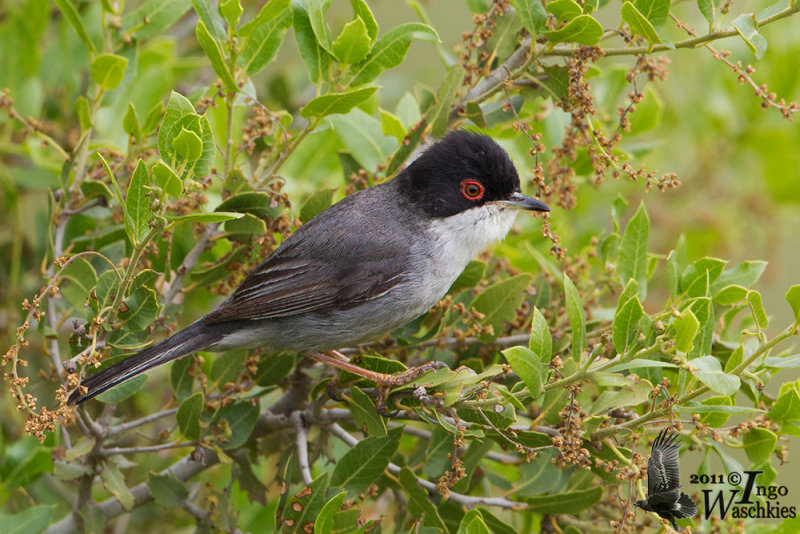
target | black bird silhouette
x=664, y=496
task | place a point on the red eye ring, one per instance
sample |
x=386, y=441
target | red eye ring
x=472, y=189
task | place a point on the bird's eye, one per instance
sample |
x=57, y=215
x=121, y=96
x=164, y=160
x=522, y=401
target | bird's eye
x=472, y=189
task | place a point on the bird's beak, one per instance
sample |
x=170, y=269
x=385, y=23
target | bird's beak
x=521, y=202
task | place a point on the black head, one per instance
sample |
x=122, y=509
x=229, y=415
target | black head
x=642, y=504
x=462, y=171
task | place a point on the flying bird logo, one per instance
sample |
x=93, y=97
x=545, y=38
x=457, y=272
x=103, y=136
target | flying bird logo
x=664, y=496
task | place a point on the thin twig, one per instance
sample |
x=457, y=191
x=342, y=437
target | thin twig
x=302, y=446
x=148, y=448
x=118, y=429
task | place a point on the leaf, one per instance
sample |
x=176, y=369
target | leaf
x=710, y=373
x=390, y=50
x=793, y=298
x=757, y=308
x=318, y=202
x=255, y=202
x=362, y=136
x=655, y=11
x=154, y=17
x=745, y=25
x=317, y=11
x=82, y=280
x=333, y=103
x=392, y=125
x=782, y=362
x=178, y=107
x=361, y=9
x=180, y=379
x=745, y=274
x=499, y=301
x=247, y=225
x=472, y=523
x=137, y=205
x=107, y=70
x=638, y=364
x=72, y=16
x=439, y=115
x=231, y=11
x=638, y=23
x=693, y=280
x=541, y=341
x=564, y=9
x=315, y=58
x=694, y=407
x=188, y=416
x=325, y=520
x=608, y=399
x=269, y=11
x=759, y=444
x=124, y=390
x=264, y=42
x=227, y=368
x=213, y=217
x=364, y=463
x=353, y=43
x=166, y=179
x=419, y=506
x=626, y=323
x=303, y=508
x=187, y=146
x=365, y=414
x=570, y=502
x=167, y=490
x=633, y=251
x=532, y=14
x=673, y=274
x=577, y=320
x=786, y=407
x=730, y=295
x=710, y=9
x=130, y=122
x=583, y=29
x=686, y=327
x=241, y=418
x=207, y=13
x=214, y=53
x=115, y=483
x=528, y=367
x=31, y=520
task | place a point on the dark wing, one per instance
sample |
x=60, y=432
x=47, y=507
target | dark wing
x=340, y=259
x=663, y=471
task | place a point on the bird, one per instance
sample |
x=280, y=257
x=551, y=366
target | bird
x=366, y=265
x=664, y=496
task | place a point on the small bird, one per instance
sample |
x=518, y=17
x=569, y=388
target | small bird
x=363, y=267
x=664, y=496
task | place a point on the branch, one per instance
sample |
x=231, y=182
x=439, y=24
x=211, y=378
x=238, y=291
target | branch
x=302, y=446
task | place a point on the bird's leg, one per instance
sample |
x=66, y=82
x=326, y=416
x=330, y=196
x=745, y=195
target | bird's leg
x=384, y=382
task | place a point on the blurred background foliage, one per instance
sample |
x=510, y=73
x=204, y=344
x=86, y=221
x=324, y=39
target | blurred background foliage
x=738, y=165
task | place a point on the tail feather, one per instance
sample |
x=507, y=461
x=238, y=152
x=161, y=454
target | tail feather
x=686, y=507
x=192, y=338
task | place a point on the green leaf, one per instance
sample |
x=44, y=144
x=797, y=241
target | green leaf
x=745, y=274
x=210, y=16
x=730, y=295
x=180, y=379
x=704, y=311
x=528, y=367
x=710, y=373
x=333, y=103
x=318, y=202
x=107, y=70
x=686, y=327
x=638, y=23
x=178, y=107
x=31, y=520
x=325, y=520
x=638, y=364
x=419, y=506
x=470, y=276
x=673, y=275
x=473, y=112
x=541, y=341
x=655, y=11
x=608, y=399
x=303, y=508
x=115, y=483
x=227, y=368
x=241, y=418
x=626, y=323
x=269, y=11
x=759, y=444
x=710, y=9
x=633, y=251
x=361, y=9
x=365, y=414
x=82, y=280
x=353, y=43
x=255, y=202
x=786, y=407
x=364, y=464
x=499, y=301
x=590, y=6
x=757, y=309
x=187, y=146
x=577, y=320
x=392, y=125
x=154, y=17
x=440, y=113
x=188, y=415
x=532, y=15
x=137, y=204
x=130, y=122
x=214, y=53
x=362, y=136
x=793, y=298
x=745, y=25
x=583, y=29
x=316, y=59
x=124, y=390
x=472, y=523
x=264, y=42
x=72, y=16
x=693, y=280
x=317, y=12
x=213, y=217
x=564, y=9
x=390, y=50
x=167, y=490
x=570, y=502
x=166, y=179
x=231, y=11
x=782, y=362
x=694, y=407
x=247, y=225
x=84, y=116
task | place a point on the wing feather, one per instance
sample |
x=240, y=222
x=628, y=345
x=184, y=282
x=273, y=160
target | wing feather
x=663, y=471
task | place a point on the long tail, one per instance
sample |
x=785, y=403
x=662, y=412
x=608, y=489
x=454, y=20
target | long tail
x=194, y=337
x=685, y=507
